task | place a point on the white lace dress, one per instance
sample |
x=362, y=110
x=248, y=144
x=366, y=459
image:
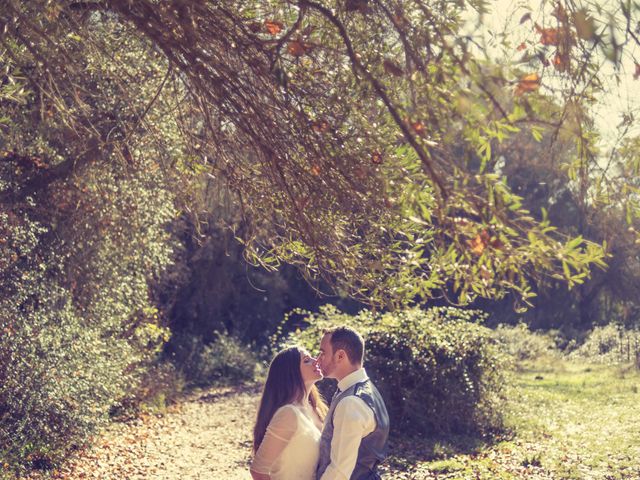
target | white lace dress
x=291, y=446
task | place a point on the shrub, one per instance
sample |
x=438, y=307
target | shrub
x=77, y=326
x=221, y=362
x=59, y=377
x=82, y=236
x=160, y=385
x=610, y=344
x=522, y=344
x=439, y=371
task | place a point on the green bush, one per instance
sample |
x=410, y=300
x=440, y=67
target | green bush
x=221, y=362
x=77, y=326
x=59, y=377
x=522, y=344
x=610, y=344
x=439, y=371
x=160, y=385
x=80, y=250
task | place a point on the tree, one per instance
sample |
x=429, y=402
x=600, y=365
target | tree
x=83, y=237
x=539, y=171
x=333, y=121
x=358, y=138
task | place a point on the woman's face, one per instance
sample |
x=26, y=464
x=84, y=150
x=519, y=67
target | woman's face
x=309, y=369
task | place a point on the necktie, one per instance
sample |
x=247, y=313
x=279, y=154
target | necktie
x=335, y=395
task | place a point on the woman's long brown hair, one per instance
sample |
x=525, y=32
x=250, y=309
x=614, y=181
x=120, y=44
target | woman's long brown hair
x=284, y=385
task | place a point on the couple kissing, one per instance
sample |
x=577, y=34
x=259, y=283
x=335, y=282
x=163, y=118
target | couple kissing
x=298, y=437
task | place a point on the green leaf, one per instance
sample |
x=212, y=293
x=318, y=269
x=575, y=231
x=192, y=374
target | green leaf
x=574, y=243
x=565, y=269
x=537, y=134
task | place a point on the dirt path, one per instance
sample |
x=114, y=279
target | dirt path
x=206, y=436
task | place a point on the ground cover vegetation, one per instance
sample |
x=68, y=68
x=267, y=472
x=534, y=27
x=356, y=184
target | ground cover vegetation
x=133, y=133
x=552, y=403
x=565, y=418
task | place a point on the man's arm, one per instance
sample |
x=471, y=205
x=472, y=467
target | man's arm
x=352, y=421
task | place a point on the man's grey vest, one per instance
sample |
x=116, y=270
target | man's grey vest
x=373, y=448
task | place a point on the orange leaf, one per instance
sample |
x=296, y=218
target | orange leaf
x=38, y=163
x=418, y=127
x=496, y=243
x=528, y=83
x=273, y=27
x=522, y=46
x=320, y=126
x=297, y=48
x=560, y=62
x=480, y=242
x=477, y=245
x=549, y=36
x=392, y=68
x=315, y=170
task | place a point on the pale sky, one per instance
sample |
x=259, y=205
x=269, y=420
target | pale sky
x=505, y=16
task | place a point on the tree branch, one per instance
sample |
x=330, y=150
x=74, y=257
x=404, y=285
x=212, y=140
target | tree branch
x=380, y=90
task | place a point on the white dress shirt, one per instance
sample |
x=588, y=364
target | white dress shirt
x=352, y=421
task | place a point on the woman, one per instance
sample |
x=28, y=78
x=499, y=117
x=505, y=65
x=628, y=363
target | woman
x=286, y=436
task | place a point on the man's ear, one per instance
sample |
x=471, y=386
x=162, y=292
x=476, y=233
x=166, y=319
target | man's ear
x=341, y=354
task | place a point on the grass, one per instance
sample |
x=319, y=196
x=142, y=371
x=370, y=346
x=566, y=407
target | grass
x=568, y=421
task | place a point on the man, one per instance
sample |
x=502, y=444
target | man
x=354, y=437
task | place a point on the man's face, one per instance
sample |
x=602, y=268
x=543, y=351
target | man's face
x=325, y=360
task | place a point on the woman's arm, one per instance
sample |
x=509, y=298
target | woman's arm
x=280, y=430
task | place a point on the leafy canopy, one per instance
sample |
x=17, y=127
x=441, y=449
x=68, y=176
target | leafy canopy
x=357, y=135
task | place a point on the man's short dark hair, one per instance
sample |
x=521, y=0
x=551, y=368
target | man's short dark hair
x=347, y=339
